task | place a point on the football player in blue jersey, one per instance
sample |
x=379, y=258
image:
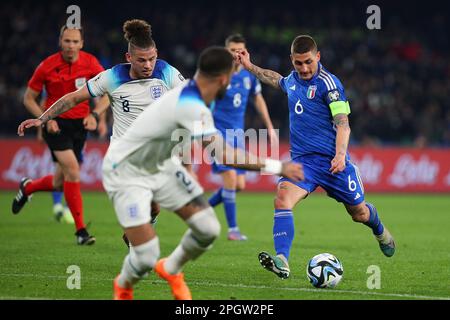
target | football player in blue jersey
x=319, y=136
x=229, y=116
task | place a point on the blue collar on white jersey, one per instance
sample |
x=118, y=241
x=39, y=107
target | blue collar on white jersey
x=193, y=84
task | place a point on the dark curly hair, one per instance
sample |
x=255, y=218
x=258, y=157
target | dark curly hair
x=138, y=33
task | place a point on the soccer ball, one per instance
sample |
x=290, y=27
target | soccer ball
x=324, y=271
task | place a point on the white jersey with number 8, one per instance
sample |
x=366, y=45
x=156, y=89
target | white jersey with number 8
x=129, y=97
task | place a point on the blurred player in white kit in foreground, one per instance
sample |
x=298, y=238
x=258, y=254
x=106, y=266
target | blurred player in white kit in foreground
x=139, y=167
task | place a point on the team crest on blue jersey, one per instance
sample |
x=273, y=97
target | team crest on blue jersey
x=311, y=92
x=247, y=83
x=156, y=91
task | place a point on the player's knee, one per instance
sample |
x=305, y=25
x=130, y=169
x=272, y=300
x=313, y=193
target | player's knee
x=211, y=229
x=358, y=213
x=204, y=229
x=70, y=171
x=282, y=202
x=230, y=180
x=72, y=174
x=144, y=256
x=205, y=226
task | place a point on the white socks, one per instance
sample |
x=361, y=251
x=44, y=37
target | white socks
x=138, y=262
x=204, y=229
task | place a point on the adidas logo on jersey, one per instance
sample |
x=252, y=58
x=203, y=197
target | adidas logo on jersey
x=292, y=88
x=357, y=196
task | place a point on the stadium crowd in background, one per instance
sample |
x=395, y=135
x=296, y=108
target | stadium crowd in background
x=400, y=99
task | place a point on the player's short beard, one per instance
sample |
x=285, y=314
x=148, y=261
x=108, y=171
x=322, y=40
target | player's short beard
x=221, y=93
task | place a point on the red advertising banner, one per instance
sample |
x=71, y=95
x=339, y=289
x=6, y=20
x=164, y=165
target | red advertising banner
x=28, y=158
x=382, y=170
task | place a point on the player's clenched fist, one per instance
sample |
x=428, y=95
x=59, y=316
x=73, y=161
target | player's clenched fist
x=337, y=164
x=52, y=127
x=243, y=57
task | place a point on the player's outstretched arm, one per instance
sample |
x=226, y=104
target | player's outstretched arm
x=342, y=138
x=241, y=159
x=62, y=105
x=266, y=76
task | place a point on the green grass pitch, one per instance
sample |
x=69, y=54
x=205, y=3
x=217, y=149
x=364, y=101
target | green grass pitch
x=35, y=251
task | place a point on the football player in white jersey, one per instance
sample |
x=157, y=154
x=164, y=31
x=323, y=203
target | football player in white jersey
x=141, y=166
x=135, y=85
x=131, y=87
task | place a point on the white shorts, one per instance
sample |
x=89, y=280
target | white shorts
x=132, y=189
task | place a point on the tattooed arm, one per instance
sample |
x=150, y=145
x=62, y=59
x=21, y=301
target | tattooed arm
x=342, y=139
x=267, y=76
x=62, y=105
x=65, y=103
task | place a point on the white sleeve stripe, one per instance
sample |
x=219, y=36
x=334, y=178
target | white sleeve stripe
x=330, y=79
x=328, y=75
x=326, y=82
x=358, y=176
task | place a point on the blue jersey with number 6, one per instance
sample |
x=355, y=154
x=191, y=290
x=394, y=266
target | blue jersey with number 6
x=312, y=105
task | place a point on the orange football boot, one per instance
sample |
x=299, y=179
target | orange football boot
x=180, y=290
x=122, y=293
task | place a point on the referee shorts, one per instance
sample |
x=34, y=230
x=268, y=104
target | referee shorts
x=72, y=136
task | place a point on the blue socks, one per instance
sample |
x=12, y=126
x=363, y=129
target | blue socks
x=216, y=198
x=228, y=197
x=374, y=221
x=283, y=231
x=57, y=197
x=283, y=228
x=229, y=204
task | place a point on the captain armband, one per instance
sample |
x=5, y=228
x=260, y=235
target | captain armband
x=337, y=107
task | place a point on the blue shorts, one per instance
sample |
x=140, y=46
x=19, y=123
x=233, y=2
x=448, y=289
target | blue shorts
x=219, y=168
x=345, y=186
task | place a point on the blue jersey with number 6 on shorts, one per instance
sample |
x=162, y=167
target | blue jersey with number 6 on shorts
x=345, y=186
x=312, y=105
